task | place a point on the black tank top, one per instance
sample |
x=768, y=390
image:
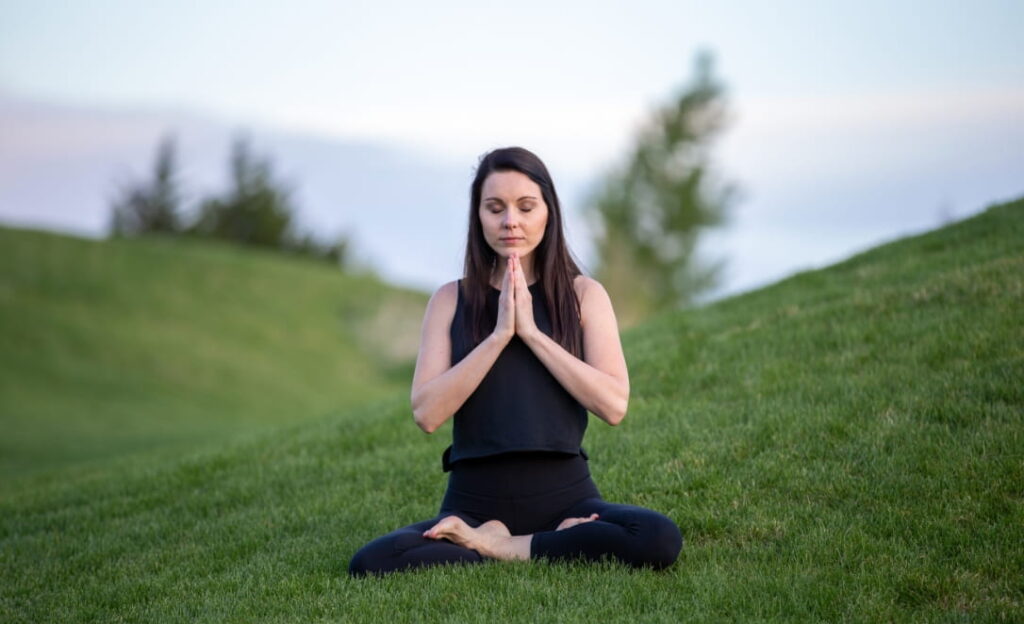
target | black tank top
x=519, y=405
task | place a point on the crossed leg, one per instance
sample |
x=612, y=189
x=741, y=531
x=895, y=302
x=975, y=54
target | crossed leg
x=492, y=539
x=408, y=548
x=591, y=529
x=449, y=538
x=633, y=535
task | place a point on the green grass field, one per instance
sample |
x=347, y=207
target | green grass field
x=114, y=347
x=846, y=445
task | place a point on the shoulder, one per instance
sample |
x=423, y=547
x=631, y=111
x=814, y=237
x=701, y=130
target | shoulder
x=588, y=287
x=592, y=296
x=444, y=300
x=448, y=291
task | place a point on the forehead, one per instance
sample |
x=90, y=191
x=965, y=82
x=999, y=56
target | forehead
x=510, y=186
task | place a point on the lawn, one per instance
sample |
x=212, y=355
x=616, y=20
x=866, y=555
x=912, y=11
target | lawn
x=109, y=348
x=845, y=445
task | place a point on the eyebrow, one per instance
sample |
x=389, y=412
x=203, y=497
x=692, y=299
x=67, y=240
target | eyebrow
x=498, y=199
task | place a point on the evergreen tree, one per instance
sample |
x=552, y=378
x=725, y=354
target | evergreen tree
x=255, y=211
x=649, y=213
x=153, y=206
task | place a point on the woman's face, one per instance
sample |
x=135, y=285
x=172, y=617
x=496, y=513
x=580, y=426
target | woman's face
x=513, y=213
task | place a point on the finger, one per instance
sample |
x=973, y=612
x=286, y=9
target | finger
x=511, y=274
x=520, y=276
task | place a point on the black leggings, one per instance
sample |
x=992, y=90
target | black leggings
x=529, y=493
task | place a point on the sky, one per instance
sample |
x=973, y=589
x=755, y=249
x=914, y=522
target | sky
x=853, y=123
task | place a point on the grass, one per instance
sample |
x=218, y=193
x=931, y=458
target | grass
x=846, y=445
x=115, y=347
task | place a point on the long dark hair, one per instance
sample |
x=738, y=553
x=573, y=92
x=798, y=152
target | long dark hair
x=553, y=262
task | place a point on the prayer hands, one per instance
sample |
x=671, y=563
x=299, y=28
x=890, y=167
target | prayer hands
x=505, y=328
x=515, y=304
x=525, y=326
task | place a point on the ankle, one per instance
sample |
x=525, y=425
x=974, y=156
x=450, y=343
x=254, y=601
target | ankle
x=509, y=548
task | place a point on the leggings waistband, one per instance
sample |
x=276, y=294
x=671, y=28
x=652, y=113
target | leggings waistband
x=520, y=474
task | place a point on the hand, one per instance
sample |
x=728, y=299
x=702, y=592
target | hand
x=524, y=323
x=505, y=327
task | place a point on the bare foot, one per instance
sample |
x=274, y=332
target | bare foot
x=455, y=529
x=491, y=539
x=495, y=528
x=571, y=522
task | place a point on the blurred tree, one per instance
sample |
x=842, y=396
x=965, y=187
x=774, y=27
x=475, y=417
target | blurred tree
x=338, y=252
x=150, y=206
x=649, y=213
x=255, y=211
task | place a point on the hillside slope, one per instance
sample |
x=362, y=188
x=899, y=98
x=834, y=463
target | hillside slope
x=109, y=347
x=844, y=445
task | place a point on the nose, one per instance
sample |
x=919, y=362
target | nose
x=511, y=219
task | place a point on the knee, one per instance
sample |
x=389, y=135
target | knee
x=372, y=558
x=660, y=543
x=391, y=552
x=362, y=563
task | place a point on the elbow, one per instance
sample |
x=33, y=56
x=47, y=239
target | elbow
x=428, y=415
x=420, y=417
x=423, y=423
x=611, y=418
x=615, y=413
x=615, y=418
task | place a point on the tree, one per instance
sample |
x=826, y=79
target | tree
x=649, y=213
x=337, y=252
x=153, y=206
x=255, y=211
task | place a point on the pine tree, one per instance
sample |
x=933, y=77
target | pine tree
x=153, y=206
x=650, y=212
x=256, y=210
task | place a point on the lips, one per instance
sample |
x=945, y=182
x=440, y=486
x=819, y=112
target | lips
x=509, y=240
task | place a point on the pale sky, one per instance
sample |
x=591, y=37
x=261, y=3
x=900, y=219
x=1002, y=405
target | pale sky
x=832, y=101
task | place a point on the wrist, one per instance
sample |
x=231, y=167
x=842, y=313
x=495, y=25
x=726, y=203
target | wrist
x=529, y=336
x=501, y=338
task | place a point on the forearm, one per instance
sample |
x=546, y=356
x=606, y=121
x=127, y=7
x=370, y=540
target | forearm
x=603, y=394
x=437, y=400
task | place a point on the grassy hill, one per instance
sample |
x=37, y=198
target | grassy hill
x=112, y=347
x=847, y=444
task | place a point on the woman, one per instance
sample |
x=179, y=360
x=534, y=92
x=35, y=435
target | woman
x=518, y=351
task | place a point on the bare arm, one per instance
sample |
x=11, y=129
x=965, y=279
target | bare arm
x=438, y=388
x=600, y=381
